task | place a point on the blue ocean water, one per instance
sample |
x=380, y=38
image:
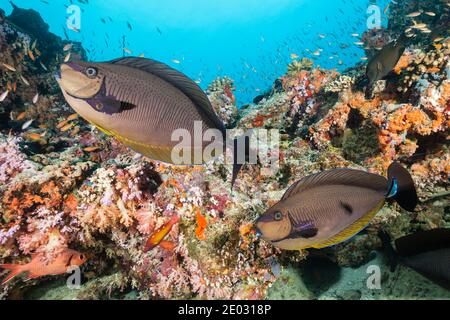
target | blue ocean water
x=250, y=41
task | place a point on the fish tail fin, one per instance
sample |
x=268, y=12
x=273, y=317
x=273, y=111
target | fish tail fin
x=401, y=187
x=13, y=4
x=148, y=246
x=15, y=270
x=240, y=157
x=388, y=249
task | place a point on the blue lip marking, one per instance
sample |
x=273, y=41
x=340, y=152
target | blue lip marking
x=393, y=189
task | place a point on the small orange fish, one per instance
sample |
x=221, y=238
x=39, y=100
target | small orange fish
x=72, y=117
x=62, y=124
x=67, y=127
x=433, y=70
x=31, y=55
x=157, y=238
x=167, y=245
x=34, y=136
x=39, y=267
x=9, y=67
x=91, y=149
x=21, y=116
x=75, y=131
x=201, y=225
x=24, y=80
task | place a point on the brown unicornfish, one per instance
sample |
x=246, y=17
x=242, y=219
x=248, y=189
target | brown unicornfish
x=384, y=62
x=142, y=103
x=330, y=207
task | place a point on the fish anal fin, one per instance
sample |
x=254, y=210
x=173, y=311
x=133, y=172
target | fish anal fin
x=162, y=153
x=31, y=276
x=350, y=231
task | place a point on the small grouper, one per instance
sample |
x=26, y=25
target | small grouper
x=327, y=208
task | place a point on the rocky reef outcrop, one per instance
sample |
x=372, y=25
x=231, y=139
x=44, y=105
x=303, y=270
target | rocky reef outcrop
x=64, y=184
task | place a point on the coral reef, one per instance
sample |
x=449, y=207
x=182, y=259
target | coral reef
x=298, y=65
x=374, y=40
x=220, y=93
x=64, y=184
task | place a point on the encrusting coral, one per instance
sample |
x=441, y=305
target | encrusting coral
x=220, y=93
x=64, y=184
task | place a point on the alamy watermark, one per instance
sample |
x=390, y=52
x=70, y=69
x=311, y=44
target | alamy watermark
x=73, y=21
x=74, y=280
x=374, y=280
x=374, y=19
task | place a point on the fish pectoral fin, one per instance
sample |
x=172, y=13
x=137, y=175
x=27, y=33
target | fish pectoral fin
x=351, y=230
x=111, y=106
x=304, y=230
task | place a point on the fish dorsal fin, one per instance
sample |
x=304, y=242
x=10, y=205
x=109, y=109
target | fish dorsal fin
x=178, y=80
x=341, y=177
x=423, y=241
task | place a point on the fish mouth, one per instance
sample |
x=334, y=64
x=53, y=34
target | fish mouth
x=263, y=219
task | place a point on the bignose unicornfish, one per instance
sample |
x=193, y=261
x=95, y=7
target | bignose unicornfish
x=143, y=103
x=330, y=207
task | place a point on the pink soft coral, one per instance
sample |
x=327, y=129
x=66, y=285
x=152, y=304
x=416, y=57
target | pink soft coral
x=12, y=161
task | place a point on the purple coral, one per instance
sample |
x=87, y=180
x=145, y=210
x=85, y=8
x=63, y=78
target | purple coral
x=12, y=161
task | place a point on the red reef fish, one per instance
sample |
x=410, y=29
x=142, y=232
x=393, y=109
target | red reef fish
x=157, y=238
x=39, y=266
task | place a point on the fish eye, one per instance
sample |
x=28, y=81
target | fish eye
x=81, y=257
x=91, y=72
x=278, y=216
